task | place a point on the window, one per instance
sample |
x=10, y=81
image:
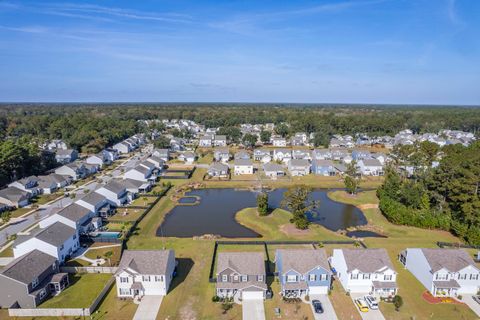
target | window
x=311, y=277
x=123, y=280
x=42, y=294
x=474, y=276
x=224, y=278
x=124, y=292
x=323, y=277
x=235, y=277
x=366, y=276
x=244, y=278
x=462, y=276
x=387, y=277
x=146, y=278
x=34, y=283
x=158, y=278
x=54, y=266
x=291, y=278
x=354, y=276
x=441, y=276
x=260, y=278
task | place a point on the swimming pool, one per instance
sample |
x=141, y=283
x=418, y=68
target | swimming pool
x=109, y=235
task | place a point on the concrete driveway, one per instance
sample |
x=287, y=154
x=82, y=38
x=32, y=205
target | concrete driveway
x=328, y=310
x=253, y=309
x=371, y=314
x=148, y=308
x=475, y=306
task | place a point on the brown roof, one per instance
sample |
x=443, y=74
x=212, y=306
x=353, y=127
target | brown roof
x=249, y=263
x=151, y=262
x=453, y=260
x=303, y=260
x=367, y=260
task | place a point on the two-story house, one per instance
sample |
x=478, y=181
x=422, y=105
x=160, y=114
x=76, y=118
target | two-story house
x=262, y=155
x=30, y=279
x=242, y=166
x=303, y=271
x=283, y=155
x=324, y=168
x=205, y=141
x=73, y=215
x=75, y=170
x=115, y=192
x=57, y=240
x=144, y=273
x=64, y=156
x=218, y=169
x=14, y=197
x=221, y=155
x=29, y=184
x=443, y=272
x=241, y=274
x=299, y=167
x=370, y=167
x=365, y=271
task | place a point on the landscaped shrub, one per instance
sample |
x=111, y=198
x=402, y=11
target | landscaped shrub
x=215, y=298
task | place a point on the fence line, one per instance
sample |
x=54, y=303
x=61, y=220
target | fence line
x=67, y=269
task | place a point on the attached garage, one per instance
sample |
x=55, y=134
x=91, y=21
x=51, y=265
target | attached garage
x=318, y=290
x=252, y=295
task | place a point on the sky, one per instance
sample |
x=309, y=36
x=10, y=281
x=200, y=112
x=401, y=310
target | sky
x=358, y=51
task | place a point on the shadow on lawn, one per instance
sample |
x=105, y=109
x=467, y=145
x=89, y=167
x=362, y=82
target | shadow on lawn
x=183, y=269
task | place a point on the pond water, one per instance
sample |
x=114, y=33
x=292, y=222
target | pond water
x=215, y=214
x=364, y=234
x=187, y=200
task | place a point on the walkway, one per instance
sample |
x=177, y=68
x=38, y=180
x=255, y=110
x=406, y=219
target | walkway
x=475, y=306
x=148, y=308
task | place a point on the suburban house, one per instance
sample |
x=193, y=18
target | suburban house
x=94, y=202
x=99, y=159
x=339, y=153
x=324, y=168
x=29, y=184
x=58, y=240
x=242, y=166
x=115, y=192
x=52, y=182
x=123, y=147
x=65, y=156
x=136, y=186
x=221, y=155
x=14, y=197
x=443, y=272
x=75, y=170
x=303, y=271
x=262, y=155
x=157, y=162
x=283, y=155
x=111, y=154
x=205, y=141
x=218, y=169
x=279, y=142
x=299, y=167
x=55, y=144
x=140, y=173
x=144, y=273
x=241, y=155
x=365, y=271
x=74, y=215
x=358, y=155
x=321, y=154
x=273, y=170
x=301, y=154
x=187, y=157
x=241, y=274
x=220, y=141
x=91, y=168
x=370, y=167
x=30, y=279
x=163, y=154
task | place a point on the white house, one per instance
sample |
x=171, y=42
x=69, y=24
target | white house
x=242, y=166
x=99, y=159
x=163, y=154
x=220, y=141
x=115, y=192
x=75, y=170
x=205, y=141
x=443, y=272
x=279, y=142
x=145, y=273
x=156, y=161
x=187, y=157
x=57, y=240
x=140, y=173
x=365, y=271
x=123, y=147
x=221, y=155
x=28, y=184
x=93, y=201
x=299, y=167
x=370, y=167
x=74, y=215
x=14, y=197
x=283, y=155
x=273, y=170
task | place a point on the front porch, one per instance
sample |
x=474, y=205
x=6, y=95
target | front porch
x=384, y=289
x=445, y=288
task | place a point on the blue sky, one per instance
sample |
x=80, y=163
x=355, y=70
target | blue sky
x=371, y=51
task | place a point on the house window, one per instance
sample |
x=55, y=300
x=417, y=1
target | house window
x=224, y=278
x=158, y=278
x=123, y=280
x=366, y=276
x=474, y=276
x=387, y=277
x=354, y=276
x=441, y=276
x=244, y=278
x=462, y=276
x=124, y=292
x=42, y=294
x=34, y=283
x=54, y=266
x=146, y=278
x=323, y=277
x=311, y=277
x=291, y=278
x=260, y=278
x=235, y=277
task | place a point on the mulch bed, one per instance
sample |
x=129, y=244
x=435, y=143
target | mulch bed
x=427, y=296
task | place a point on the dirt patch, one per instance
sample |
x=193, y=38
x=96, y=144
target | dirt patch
x=368, y=206
x=290, y=230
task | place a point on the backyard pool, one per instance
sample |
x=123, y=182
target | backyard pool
x=107, y=235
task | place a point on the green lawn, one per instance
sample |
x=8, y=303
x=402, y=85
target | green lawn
x=113, y=308
x=81, y=292
x=114, y=259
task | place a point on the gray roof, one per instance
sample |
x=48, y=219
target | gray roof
x=93, y=198
x=141, y=169
x=64, y=152
x=372, y=162
x=156, y=159
x=250, y=263
x=303, y=260
x=272, y=166
x=218, y=166
x=299, y=163
x=130, y=183
x=323, y=163
x=29, y=266
x=115, y=186
x=147, y=164
x=56, y=234
x=220, y=137
x=152, y=262
x=453, y=260
x=74, y=212
x=243, y=162
x=367, y=260
x=13, y=194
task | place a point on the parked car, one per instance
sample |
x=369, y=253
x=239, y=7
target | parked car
x=372, y=302
x=476, y=299
x=361, y=304
x=317, y=306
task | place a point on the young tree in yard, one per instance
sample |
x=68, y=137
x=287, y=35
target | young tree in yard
x=108, y=255
x=296, y=200
x=398, y=302
x=352, y=180
x=262, y=203
x=249, y=140
x=265, y=136
x=282, y=129
x=6, y=216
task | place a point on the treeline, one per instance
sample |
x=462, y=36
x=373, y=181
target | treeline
x=21, y=158
x=445, y=197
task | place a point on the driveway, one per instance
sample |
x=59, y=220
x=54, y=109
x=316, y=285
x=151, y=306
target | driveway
x=467, y=299
x=371, y=314
x=253, y=309
x=148, y=308
x=328, y=311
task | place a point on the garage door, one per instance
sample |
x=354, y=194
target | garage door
x=318, y=290
x=249, y=295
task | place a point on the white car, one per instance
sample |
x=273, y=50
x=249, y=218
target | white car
x=372, y=302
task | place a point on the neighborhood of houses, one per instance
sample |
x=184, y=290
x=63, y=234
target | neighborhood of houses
x=35, y=274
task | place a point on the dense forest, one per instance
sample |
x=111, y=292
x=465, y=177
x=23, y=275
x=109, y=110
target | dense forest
x=444, y=197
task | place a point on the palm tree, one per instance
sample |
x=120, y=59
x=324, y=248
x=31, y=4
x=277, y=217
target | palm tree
x=108, y=255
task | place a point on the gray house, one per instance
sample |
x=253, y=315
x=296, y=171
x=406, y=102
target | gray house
x=303, y=272
x=299, y=167
x=241, y=274
x=66, y=156
x=14, y=197
x=218, y=169
x=30, y=279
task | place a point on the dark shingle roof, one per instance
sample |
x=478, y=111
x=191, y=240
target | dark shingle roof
x=250, y=263
x=116, y=186
x=453, y=260
x=29, y=266
x=74, y=212
x=13, y=194
x=303, y=260
x=56, y=234
x=152, y=262
x=93, y=198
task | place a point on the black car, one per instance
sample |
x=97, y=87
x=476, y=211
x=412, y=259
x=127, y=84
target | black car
x=317, y=305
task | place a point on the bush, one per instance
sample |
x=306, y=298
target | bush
x=398, y=302
x=459, y=297
x=307, y=298
x=215, y=298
